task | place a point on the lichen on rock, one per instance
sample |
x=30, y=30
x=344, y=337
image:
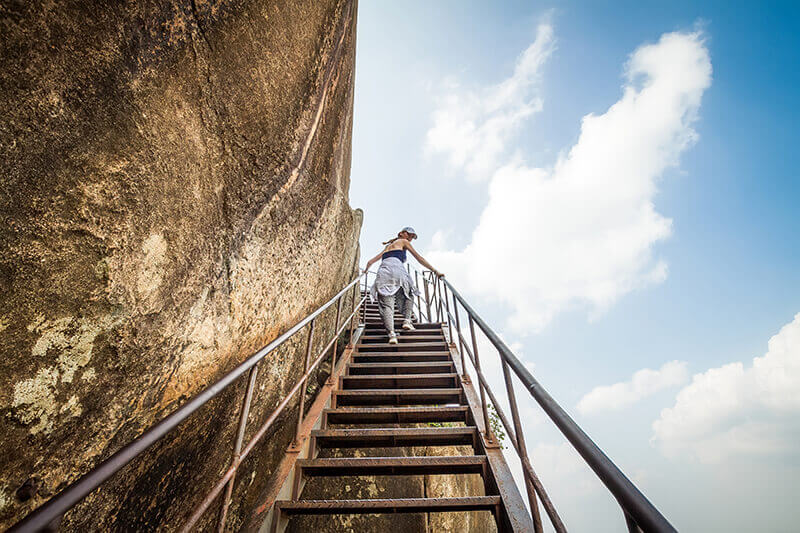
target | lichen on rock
x=34, y=400
x=70, y=342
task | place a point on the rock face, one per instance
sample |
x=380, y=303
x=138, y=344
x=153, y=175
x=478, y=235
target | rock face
x=173, y=194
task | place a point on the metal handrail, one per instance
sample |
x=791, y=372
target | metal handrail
x=517, y=440
x=47, y=516
x=640, y=514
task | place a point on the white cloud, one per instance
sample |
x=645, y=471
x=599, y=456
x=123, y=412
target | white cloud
x=439, y=239
x=574, y=488
x=733, y=410
x=642, y=384
x=581, y=234
x=531, y=414
x=472, y=128
x=555, y=463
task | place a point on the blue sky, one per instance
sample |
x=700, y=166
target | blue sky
x=710, y=290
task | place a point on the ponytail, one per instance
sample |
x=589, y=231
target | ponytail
x=390, y=241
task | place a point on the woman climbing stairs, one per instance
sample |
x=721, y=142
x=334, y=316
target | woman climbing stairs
x=385, y=387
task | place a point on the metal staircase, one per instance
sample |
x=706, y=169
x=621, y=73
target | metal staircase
x=377, y=396
x=390, y=386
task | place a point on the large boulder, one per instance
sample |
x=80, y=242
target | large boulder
x=173, y=194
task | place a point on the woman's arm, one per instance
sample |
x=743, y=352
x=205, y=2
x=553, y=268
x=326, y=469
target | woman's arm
x=373, y=260
x=421, y=259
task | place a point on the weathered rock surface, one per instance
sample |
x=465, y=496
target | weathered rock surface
x=173, y=194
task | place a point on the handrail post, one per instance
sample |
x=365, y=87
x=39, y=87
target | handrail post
x=437, y=297
x=364, y=307
x=447, y=315
x=419, y=302
x=522, y=449
x=237, y=449
x=296, y=443
x=356, y=298
x=488, y=427
x=633, y=527
x=336, y=340
x=427, y=298
x=464, y=375
x=441, y=304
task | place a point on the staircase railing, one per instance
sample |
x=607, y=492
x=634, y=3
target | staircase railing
x=439, y=293
x=48, y=516
x=639, y=513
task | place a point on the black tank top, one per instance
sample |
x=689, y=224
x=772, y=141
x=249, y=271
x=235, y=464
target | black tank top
x=400, y=254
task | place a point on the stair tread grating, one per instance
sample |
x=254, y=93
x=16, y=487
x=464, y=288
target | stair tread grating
x=404, y=505
x=422, y=359
x=400, y=376
x=414, y=465
x=397, y=414
x=402, y=392
x=393, y=431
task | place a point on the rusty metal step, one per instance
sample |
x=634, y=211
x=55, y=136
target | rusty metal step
x=393, y=466
x=375, y=326
x=429, y=332
x=404, y=505
x=396, y=415
x=394, y=437
x=400, y=381
x=406, y=347
x=398, y=396
x=369, y=340
x=400, y=357
x=376, y=317
x=378, y=329
x=419, y=367
x=381, y=332
x=377, y=322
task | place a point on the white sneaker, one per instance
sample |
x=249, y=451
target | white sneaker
x=408, y=326
x=392, y=338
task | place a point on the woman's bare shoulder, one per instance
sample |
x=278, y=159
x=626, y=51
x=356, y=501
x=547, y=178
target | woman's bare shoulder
x=397, y=244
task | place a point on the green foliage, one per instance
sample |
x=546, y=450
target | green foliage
x=497, y=426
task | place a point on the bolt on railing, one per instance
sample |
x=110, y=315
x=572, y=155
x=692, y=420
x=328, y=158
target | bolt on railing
x=639, y=513
x=48, y=516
